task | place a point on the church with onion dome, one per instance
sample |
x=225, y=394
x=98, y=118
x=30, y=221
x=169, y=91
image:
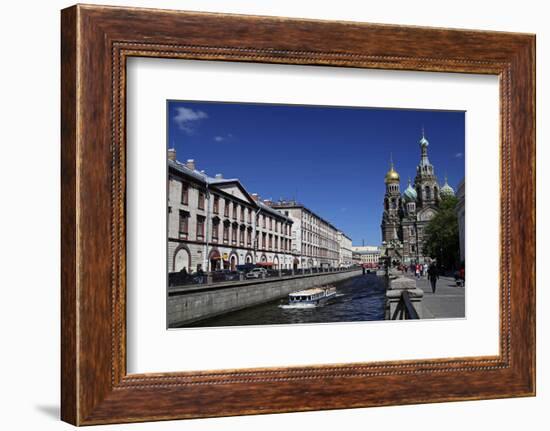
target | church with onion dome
x=406, y=214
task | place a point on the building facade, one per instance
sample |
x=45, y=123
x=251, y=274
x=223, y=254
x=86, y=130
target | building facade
x=214, y=223
x=356, y=257
x=345, y=254
x=314, y=239
x=368, y=255
x=406, y=215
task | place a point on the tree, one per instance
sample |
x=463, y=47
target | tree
x=441, y=234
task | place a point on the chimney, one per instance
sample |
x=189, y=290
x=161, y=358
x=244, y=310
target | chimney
x=172, y=154
x=268, y=202
x=190, y=164
x=219, y=176
x=255, y=197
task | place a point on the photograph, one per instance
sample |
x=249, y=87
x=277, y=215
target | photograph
x=284, y=214
x=252, y=215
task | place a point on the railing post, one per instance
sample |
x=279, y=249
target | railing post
x=396, y=286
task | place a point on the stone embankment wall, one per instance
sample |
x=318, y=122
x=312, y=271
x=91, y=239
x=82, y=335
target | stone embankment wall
x=187, y=305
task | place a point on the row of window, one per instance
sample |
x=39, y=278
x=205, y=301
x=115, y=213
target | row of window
x=321, y=233
x=411, y=231
x=319, y=240
x=311, y=250
x=239, y=212
x=370, y=258
x=230, y=233
x=324, y=232
x=428, y=192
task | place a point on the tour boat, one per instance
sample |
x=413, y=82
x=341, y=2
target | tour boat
x=310, y=297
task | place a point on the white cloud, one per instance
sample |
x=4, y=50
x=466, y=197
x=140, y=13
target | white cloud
x=459, y=155
x=187, y=118
x=223, y=138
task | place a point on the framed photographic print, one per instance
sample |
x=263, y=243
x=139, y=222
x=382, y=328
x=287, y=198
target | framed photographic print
x=268, y=215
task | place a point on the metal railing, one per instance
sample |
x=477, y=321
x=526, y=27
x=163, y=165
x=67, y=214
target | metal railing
x=404, y=310
x=178, y=279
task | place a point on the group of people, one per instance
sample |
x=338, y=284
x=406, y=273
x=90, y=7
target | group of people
x=421, y=270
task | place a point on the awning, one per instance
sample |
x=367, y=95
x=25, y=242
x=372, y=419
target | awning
x=214, y=254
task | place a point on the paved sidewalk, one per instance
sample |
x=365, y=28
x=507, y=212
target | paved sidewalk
x=448, y=300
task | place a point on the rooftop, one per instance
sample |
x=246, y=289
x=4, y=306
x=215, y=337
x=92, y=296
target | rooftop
x=289, y=204
x=203, y=178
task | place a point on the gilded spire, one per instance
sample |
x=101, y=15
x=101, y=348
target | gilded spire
x=392, y=175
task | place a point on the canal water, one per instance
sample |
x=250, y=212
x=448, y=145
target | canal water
x=358, y=299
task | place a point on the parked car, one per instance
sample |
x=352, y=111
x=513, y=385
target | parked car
x=257, y=273
x=246, y=267
x=225, y=275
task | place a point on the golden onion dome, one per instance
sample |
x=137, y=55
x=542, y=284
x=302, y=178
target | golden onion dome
x=392, y=176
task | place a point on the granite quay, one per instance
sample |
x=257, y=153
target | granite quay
x=191, y=303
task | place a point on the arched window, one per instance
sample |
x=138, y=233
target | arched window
x=428, y=192
x=182, y=259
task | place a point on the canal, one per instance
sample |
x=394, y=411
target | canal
x=358, y=299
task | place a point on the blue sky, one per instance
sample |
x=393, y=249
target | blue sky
x=332, y=159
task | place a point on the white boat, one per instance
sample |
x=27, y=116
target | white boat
x=308, y=298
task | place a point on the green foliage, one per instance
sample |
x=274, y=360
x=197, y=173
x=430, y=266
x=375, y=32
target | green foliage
x=441, y=235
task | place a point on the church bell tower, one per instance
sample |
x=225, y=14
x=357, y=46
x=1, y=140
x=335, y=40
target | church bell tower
x=425, y=182
x=392, y=205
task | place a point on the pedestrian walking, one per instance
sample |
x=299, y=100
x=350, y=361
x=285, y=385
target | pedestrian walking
x=433, y=276
x=417, y=270
x=200, y=274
